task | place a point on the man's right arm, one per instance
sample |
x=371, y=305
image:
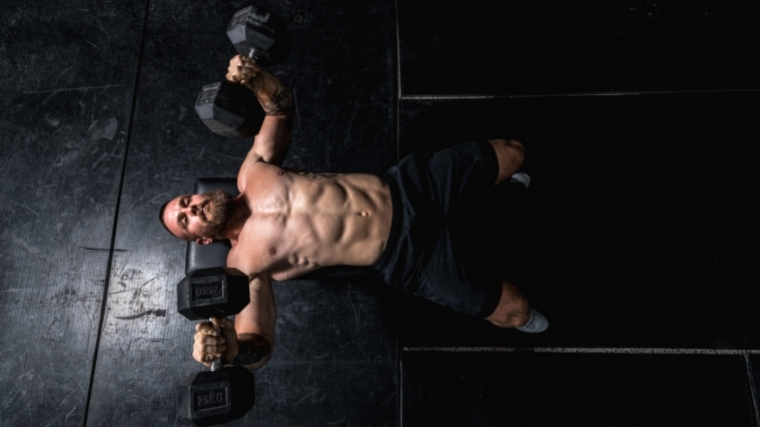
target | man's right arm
x=255, y=326
x=250, y=340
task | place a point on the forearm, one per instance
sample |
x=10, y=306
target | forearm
x=275, y=98
x=254, y=327
x=253, y=351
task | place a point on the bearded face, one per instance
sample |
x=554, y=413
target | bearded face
x=216, y=211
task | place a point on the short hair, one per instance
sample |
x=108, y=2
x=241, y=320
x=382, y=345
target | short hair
x=161, y=217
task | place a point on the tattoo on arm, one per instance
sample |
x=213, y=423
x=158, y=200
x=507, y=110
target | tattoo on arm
x=280, y=101
x=252, y=351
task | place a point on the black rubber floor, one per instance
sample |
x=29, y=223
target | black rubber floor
x=638, y=237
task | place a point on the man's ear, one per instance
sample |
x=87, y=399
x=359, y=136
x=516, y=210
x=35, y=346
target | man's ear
x=203, y=240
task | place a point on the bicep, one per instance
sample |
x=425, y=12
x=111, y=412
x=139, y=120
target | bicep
x=269, y=146
x=272, y=141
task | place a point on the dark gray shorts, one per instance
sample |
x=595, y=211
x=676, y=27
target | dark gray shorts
x=430, y=251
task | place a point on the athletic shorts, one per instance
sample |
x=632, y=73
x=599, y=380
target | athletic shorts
x=431, y=251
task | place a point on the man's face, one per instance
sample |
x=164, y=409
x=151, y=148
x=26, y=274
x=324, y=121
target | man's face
x=199, y=217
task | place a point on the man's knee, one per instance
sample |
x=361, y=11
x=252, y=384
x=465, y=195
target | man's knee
x=508, y=143
x=513, y=309
x=510, y=154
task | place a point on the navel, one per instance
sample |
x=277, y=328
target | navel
x=272, y=251
x=280, y=173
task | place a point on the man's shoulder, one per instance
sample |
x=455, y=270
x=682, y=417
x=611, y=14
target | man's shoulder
x=252, y=171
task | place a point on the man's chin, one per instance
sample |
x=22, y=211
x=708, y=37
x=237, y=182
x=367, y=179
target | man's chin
x=216, y=231
x=218, y=209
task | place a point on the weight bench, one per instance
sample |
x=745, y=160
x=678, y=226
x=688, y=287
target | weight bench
x=215, y=254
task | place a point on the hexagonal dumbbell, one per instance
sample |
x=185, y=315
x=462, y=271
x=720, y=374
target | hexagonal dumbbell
x=230, y=109
x=222, y=394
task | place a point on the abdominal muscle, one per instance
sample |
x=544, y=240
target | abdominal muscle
x=347, y=215
x=321, y=220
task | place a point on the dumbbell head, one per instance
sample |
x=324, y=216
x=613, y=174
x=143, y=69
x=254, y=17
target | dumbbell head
x=259, y=34
x=230, y=110
x=212, y=292
x=216, y=397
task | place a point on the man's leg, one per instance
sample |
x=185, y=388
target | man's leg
x=510, y=155
x=513, y=310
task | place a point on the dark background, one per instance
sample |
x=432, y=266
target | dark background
x=639, y=237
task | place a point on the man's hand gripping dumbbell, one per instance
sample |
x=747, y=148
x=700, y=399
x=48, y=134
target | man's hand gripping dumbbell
x=274, y=97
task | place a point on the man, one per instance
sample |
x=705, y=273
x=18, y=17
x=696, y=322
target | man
x=284, y=224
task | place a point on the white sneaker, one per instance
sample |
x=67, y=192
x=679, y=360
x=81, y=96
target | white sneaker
x=537, y=323
x=520, y=177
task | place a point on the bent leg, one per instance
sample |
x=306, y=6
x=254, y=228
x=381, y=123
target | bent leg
x=513, y=310
x=510, y=154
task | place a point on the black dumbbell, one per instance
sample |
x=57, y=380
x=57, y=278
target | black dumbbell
x=222, y=394
x=230, y=109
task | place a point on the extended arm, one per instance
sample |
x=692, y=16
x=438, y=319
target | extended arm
x=271, y=143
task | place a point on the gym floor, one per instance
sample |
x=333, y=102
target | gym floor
x=638, y=237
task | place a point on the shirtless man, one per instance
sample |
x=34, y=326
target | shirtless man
x=284, y=224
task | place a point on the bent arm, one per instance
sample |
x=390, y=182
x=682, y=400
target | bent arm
x=276, y=99
x=255, y=326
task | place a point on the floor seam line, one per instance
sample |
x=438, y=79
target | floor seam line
x=598, y=350
x=104, y=303
x=569, y=95
x=752, y=390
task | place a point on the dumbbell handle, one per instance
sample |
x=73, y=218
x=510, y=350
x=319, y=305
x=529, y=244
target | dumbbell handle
x=253, y=53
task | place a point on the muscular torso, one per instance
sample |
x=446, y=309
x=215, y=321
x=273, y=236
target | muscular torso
x=299, y=222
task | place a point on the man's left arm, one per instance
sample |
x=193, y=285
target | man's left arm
x=276, y=99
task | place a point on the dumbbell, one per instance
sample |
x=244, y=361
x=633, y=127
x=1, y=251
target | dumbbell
x=230, y=109
x=222, y=394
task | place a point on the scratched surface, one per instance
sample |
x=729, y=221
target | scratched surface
x=335, y=357
x=552, y=47
x=509, y=389
x=67, y=73
x=640, y=226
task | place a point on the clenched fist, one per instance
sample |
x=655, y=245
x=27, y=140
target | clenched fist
x=243, y=70
x=274, y=97
x=210, y=344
